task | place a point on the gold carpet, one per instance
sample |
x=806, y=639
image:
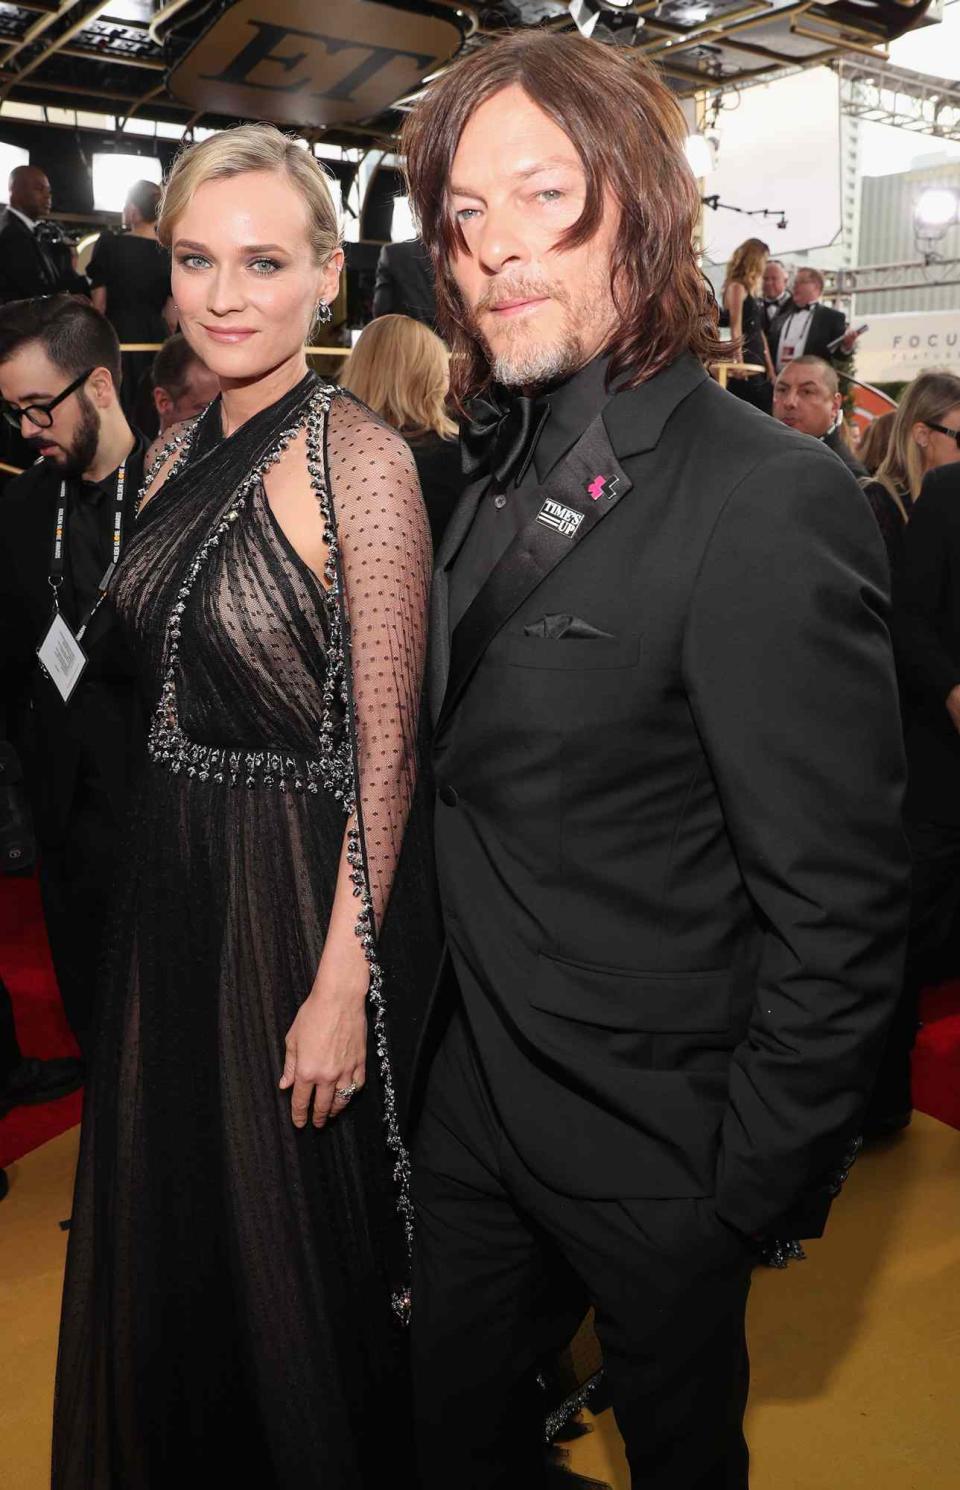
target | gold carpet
x=856, y=1352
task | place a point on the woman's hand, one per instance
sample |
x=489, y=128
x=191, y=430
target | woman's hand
x=326, y=1046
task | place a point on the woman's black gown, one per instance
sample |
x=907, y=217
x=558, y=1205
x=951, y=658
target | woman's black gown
x=233, y=1284
x=754, y=389
x=135, y=272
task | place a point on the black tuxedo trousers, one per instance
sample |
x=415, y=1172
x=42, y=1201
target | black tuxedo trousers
x=503, y=1267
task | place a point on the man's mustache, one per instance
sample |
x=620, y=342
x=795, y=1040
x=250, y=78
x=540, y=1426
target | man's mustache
x=507, y=294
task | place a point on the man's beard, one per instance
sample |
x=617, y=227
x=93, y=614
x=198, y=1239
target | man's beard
x=79, y=456
x=531, y=363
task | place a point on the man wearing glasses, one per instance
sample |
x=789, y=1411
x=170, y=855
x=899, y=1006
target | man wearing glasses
x=68, y=682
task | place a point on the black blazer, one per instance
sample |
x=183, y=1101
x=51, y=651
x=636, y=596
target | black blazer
x=927, y=635
x=670, y=769
x=93, y=743
x=27, y=269
x=404, y=284
x=827, y=325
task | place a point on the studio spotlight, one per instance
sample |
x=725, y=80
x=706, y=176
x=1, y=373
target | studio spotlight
x=937, y=209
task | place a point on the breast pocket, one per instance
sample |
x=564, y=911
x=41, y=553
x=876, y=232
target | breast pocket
x=573, y=654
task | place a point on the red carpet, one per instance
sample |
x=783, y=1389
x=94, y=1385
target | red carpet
x=936, y=1056
x=43, y=1031
x=42, y=1028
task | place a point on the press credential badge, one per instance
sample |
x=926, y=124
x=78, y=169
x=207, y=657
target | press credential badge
x=62, y=656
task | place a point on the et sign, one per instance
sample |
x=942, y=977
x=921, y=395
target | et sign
x=297, y=62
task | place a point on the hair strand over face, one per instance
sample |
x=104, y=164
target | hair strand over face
x=629, y=133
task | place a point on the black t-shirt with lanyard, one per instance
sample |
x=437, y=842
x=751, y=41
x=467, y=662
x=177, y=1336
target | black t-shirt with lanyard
x=80, y=544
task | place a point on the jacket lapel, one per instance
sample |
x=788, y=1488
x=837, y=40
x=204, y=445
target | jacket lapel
x=580, y=492
x=632, y=422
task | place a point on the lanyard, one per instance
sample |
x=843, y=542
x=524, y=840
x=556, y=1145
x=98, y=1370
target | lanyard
x=55, y=577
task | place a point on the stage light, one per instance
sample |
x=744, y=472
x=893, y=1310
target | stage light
x=937, y=209
x=113, y=176
x=699, y=153
x=11, y=156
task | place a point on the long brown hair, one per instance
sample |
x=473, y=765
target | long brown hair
x=401, y=370
x=629, y=134
x=746, y=265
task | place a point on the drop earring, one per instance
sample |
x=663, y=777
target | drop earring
x=324, y=313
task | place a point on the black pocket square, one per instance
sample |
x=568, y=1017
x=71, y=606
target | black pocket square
x=560, y=628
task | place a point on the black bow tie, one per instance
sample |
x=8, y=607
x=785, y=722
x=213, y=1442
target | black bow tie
x=501, y=434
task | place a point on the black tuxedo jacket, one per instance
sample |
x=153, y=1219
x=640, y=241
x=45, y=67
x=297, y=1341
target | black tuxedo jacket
x=404, y=283
x=91, y=746
x=26, y=269
x=670, y=767
x=927, y=635
x=827, y=325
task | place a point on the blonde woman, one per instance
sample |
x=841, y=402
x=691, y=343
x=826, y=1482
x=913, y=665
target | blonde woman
x=401, y=369
x=742, y=311
x=238, y=1257
x=917, y=445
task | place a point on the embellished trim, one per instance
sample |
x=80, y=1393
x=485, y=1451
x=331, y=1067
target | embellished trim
x=338, y=687
x=335, y=768
x=569, y=1408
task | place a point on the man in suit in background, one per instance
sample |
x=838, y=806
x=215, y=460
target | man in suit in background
x=404, y=285
x=808, y=326
x=29, y=265
x=776, y=295
x=669, y=767
x=807, y=397
x=60, y=374
x=927, y=637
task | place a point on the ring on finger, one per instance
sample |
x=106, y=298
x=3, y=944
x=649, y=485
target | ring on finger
x=345, y=1093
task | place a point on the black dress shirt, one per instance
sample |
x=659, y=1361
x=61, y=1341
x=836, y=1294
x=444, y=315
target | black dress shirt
x=573, y=404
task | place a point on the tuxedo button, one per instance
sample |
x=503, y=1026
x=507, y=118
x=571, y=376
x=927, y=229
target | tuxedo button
x=500, y=502
x=449, y=796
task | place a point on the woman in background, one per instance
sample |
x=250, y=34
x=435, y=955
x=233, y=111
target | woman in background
x=875, y=441
x=130, y=275
x=916, y=446
x=742, y=311
x=401, y=370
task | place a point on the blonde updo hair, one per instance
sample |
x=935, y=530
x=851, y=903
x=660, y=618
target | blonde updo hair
x=401, y=370
x=253, y=147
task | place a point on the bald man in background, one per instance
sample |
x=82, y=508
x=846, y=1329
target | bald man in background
x=30, y=265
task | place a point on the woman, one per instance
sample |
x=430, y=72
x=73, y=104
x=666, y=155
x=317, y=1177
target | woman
x=130, y=275
x=875, y=442
x=237, y=1258
x=742, y=311
x=402, y=370
x=916, y=446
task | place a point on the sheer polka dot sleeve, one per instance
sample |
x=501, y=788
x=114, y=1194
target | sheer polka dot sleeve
x=386, y=559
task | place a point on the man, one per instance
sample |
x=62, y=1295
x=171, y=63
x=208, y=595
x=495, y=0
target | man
x=80, y=725
x=404, y=284
x=807, y=397
x=927, y=635
x=183, y=385
x=669, y=773
x=29, y=263
x=776, y=296
x=807, y=326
